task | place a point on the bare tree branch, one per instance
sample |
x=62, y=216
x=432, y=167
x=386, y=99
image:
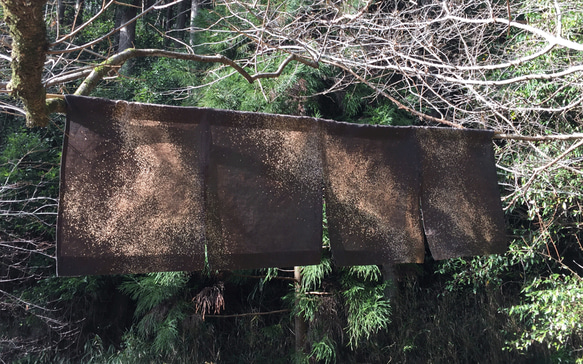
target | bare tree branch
x=539, y=138
x=119, y=59
x=107, y=35
x=83, y=26
x=538, y=170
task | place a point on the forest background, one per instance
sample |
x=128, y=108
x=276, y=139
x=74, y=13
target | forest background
x=510, y=66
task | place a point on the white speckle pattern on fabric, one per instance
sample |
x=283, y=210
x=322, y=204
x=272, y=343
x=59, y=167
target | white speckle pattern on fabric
x=148, y=188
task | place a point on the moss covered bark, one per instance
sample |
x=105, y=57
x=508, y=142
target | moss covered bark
x=25, y=19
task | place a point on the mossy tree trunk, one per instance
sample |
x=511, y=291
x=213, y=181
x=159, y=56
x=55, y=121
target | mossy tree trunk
x=25, y=20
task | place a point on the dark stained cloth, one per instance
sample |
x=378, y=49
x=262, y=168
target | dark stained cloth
x=460, y=199
x=149, y=188
x=157, y=188
x=131, y=197
x=372, y=194
x=264, y=191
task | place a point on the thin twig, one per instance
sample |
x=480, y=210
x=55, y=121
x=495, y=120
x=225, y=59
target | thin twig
x=538, y=170
x=82, y=26
x=536, y=138
x=95, y=41
x=250, y=314
x=119, y=59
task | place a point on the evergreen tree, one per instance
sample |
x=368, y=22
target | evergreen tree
x=517, y=307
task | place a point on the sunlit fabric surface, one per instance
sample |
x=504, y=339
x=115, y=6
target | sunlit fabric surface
x=149, y=188
x=462, y=212
x=372, y=178
x=132, y=196
x=264, y=191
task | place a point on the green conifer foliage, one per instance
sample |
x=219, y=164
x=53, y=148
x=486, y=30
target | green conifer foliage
x=519, y=307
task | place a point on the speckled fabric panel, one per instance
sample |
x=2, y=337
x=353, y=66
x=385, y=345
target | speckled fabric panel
x=372, y=194
x=132, y=196
x=460, y=199
x=155, y=188
x=148, y=188
x=264, y=191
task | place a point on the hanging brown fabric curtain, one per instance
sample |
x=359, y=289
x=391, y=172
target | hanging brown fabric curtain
x=460, y=200
x=372, y=177
x=263, y=190
x=131, y=195
x=156, y=188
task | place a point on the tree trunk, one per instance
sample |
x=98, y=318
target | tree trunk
x=79, y=7
x=390, y=276
x=25, y=20
x=167, y=23
x=301, y=327
x=193, y=14
x=127, y=34
x=60, y=13
x=181, y=18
